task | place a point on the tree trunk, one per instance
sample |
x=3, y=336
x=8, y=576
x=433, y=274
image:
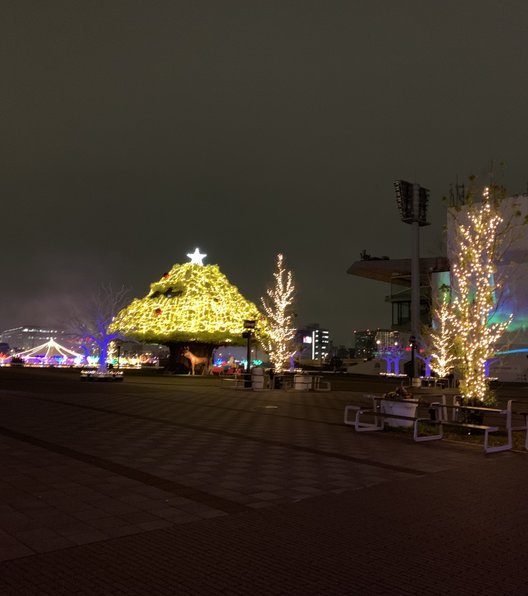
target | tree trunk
x=103, y=355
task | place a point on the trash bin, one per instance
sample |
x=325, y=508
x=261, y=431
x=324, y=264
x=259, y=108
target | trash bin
x=257, y=379
x=302, y=382
x=247, y=380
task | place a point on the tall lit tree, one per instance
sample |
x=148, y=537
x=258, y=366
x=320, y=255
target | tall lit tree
x=441, y=339
x=474, y=301
x=278, y=308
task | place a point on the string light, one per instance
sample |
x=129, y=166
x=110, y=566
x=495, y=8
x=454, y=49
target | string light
x=277, y=306
x=189, y=304
x=442, y=359
x=469, y=316
x=50, y=351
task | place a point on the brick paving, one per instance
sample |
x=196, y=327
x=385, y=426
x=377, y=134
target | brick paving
x=174, y=485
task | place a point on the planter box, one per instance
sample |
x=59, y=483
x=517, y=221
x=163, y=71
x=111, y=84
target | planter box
x=97, y=375
x=302, y=382
x=404, y=407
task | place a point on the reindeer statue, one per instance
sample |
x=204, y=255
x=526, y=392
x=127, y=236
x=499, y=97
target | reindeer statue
x=196, y=360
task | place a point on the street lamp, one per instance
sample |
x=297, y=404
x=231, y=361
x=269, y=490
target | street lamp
x=412, y=343
x=249, y=325
x=412, y=202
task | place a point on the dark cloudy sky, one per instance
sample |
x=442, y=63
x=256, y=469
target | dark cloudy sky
x=134, y=131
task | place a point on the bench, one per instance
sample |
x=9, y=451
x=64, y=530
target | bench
x=511, y=428
x=283, y=382
x=522, y=427
x=321, y=384
x=441, y=382
x=375, y=412
x=380, y=417
x=278, y=382
x=236, y=382
x=437, y=418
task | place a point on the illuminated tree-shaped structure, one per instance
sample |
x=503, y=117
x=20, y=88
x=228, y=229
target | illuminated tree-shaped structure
x=192, y=306
x=474, y=301
x=278, y=308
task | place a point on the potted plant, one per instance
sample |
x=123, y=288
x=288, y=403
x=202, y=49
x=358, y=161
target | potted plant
x=399, y=402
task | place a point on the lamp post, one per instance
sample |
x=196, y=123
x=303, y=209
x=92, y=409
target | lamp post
x=412, y=202
x=249, y=325
x=412, y=342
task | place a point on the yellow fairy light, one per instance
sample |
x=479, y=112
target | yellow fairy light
x=190, y=303
x=277, y=306
x=471, y=310
x=442, y=357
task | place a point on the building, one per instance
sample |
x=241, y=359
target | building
x=369, y=341
x=364, y=343
x=396, y=273
x=314, y=342
x=386, y=338
x=511, y=363
x=30, y=336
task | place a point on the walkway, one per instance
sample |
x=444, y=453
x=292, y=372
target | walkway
x=177, y=485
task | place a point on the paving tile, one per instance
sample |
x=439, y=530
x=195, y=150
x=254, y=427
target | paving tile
x=90, y=513
x=108, y=522
x=264, y=496
x=43, y=540
x=174, y=515
x=77, y=528
x=88, y=537
x=298, y=500
x=154, y=525
x=14, y=550
x=17, y=522
x=137, y=517
x=126, y=530
x=117, y=507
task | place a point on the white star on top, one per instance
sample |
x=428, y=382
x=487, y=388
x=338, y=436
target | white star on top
x=196, y=257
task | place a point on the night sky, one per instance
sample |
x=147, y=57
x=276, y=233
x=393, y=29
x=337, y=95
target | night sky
x=133, y=132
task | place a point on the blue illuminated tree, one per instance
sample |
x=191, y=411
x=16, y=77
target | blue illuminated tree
x=92, y=323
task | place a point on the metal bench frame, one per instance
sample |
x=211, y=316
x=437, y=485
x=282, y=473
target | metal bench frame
x=440, y=420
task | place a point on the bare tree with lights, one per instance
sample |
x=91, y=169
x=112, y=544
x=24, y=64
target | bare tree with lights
x=278, y=309
x=440, y=338
x=93, y=323
x=479, y=242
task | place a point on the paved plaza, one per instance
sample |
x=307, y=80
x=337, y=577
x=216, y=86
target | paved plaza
x=181, y=485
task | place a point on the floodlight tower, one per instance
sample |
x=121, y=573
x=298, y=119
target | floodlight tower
x=412, y=202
